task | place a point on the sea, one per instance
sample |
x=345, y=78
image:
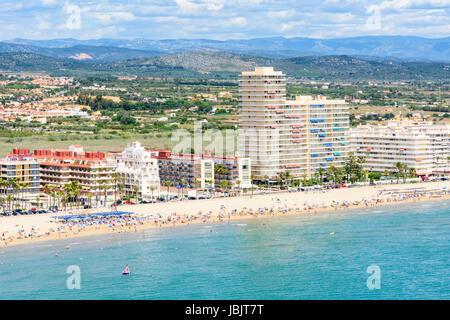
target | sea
x=393, y=252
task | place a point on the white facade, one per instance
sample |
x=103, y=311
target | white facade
x=139, y=171
x=298, y=136
x=420, y=145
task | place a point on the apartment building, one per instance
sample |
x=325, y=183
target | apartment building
x=278, y=135
x=420, y=145
x=92, y=170
x=199, y=170
x=20, y=166
x=139, y=172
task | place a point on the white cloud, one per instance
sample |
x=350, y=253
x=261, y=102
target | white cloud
x=43, y=23
x=49, y=2
x=187, y=7
x=114, y=17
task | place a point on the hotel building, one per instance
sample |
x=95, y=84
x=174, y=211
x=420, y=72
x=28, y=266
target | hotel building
x=200, y=169
x=279, y=135
x=21, y=166
x=420, y=145
x=139, y=171
x=92, y=170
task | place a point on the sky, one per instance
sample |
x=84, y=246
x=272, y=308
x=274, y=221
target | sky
x=221, y=19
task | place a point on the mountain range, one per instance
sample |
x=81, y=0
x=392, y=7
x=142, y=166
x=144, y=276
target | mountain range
x=399, y=47
x=224, y=65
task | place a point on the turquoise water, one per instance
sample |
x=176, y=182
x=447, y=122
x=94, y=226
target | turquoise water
x=273, y=258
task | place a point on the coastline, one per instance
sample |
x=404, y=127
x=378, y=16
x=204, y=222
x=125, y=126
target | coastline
x=332, y=200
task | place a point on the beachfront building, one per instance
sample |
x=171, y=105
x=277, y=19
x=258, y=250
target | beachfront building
x=278, y=135
x=94, y=171
x=200, y=170
x=139, y=172
x=23, y=174
x=420, y=145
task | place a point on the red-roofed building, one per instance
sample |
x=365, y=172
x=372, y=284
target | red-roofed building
x=92, y=170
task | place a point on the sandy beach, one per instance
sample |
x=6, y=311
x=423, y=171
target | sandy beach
x=17, y=230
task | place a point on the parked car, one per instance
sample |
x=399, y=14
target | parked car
x=129, y=202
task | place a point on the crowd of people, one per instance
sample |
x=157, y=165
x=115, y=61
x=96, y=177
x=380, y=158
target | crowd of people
x=64, y=226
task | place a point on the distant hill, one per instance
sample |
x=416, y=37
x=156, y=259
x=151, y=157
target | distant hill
x=401, y=47
x=101, y=54
x=25, y=61
x=223, y=65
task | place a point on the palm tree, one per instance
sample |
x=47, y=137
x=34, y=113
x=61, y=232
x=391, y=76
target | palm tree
x=89, y=196
x=182, y=184
x=252, y=177
x=13, y=183
x=320, y=173
x=167, y=184
x=2, y=203
x=9, y=201
x=196, y=183
x=266, y=178
x=117, y=178
x=399, y=168
x=405, y=172
x=288, y=176
x=152, y=189
x=136, y=193
x=4, y=191
x=105, y=191
x=238, y=182
x=334, y=173
x=412, y=172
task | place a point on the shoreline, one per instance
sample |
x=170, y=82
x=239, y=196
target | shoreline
x=176, y=220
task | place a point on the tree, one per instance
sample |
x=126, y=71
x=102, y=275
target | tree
x=320, y=173
x=117, y=178
x=152, y=189
x=353, y=169
x=335, y=173
x=182, y=184
x=266, y=178
x=238, y=182
x=399, y=167
x=252, y=177
x=136, y=193
x=168, y=184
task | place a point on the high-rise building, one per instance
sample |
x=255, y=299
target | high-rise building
x=300, y=136
x=262, y=94
x=139, y=171
x=420, y=145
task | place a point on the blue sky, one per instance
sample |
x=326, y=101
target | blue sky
x=221, y=19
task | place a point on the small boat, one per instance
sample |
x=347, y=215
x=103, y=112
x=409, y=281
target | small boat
x=126, y=270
